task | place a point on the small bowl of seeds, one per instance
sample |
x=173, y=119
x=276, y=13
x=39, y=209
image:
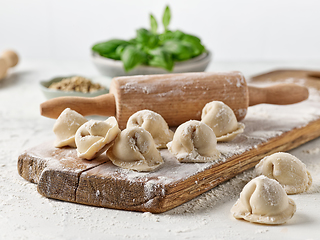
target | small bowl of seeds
x=76, y=86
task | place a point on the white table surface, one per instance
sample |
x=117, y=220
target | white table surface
x=25, y=214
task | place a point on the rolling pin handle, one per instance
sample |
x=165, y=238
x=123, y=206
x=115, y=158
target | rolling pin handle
x=11, y=57
x=8, y=59
x=103, y=105
x=280, y=94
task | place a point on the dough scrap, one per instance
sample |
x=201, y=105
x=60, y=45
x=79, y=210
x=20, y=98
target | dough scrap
x=288, y=170
x=222, y=120
x=95, y=137
x=66, y=127
x=154, y=124
x=194, y=141
x=264, y=201
x=135, y=149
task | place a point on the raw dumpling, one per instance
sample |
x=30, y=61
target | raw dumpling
x=222, y=120
x=135, y=149
x=194, y=141
x=288, y=170
x=154, y=124
x=66, y=126
x=263, y=200
x=95, y=137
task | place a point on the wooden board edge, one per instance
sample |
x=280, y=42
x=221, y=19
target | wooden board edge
x=165, y=197
x=30, y=167
x=118, y=194
x=277, y=71
x=186, y=190
x=66, y=183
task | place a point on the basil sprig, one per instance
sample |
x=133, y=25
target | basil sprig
x=152, y=49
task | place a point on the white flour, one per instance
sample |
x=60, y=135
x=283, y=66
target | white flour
x=262, y=122
x=312, y=151
x=25, y=214
x=222, y=193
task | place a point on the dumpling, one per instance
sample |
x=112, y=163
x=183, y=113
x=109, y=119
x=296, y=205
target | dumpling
x=154, y=124
x=194, y=141
x=288, y=170
x=95, y=137
x=135, y=149
x=222, y=120
x=66, y=126
x=263, y=200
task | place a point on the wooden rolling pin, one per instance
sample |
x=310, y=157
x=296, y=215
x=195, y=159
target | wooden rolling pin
x=177, y=97
x=8, y=59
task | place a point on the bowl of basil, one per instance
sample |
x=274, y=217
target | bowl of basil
x=151, y=52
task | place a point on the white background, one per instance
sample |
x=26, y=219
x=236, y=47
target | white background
x=54, y=37
x=246, y=30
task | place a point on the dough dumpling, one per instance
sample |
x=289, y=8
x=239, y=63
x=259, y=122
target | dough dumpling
x=222, y=120
x=66, y=126
x=263, y=200
x=194, y=141
x=95, y=137
x=154, y=124
x=135, y=149
x=288, y=170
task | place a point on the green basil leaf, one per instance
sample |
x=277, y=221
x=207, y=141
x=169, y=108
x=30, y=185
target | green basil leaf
x=165, y=36
x=132, y=57
x=140, y=46
x=195, y=43
x=154, y=24
x=113, y=55
x=189, y=36
x=133, y=41
x=161, y=58
x=153, y=41
x=166, y=18
x=119, y=50
x=179, y=50
x=104, y=48
x=147, y=39
x=169, y=35
x=178, y=34
x=142, y=35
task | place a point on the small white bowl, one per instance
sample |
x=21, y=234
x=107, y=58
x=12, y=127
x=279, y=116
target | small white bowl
x=53, y=93
x=114, y=68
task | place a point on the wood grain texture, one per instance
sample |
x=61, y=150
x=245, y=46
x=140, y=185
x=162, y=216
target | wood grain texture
x=55, y=170
x=100, y=183
x=61, y=175
x=101, y=105
x=281, y=94
x=127, y=195
x=8, y=59
x=178, y=97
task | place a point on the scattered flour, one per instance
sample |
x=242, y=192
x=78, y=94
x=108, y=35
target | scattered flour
x=151, y=216
x=222, y=193
x=261, y=231
x=262, y=122
x=312, y=151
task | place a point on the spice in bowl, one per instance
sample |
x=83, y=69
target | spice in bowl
x=76, y=83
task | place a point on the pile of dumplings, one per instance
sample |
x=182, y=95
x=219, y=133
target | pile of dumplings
x=91, y=138
x=264, y=199
x=137, y=146
x=196, y=141
x=133, y=148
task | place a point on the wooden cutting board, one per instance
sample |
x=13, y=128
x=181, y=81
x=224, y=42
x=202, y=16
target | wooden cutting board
x=60, y=174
